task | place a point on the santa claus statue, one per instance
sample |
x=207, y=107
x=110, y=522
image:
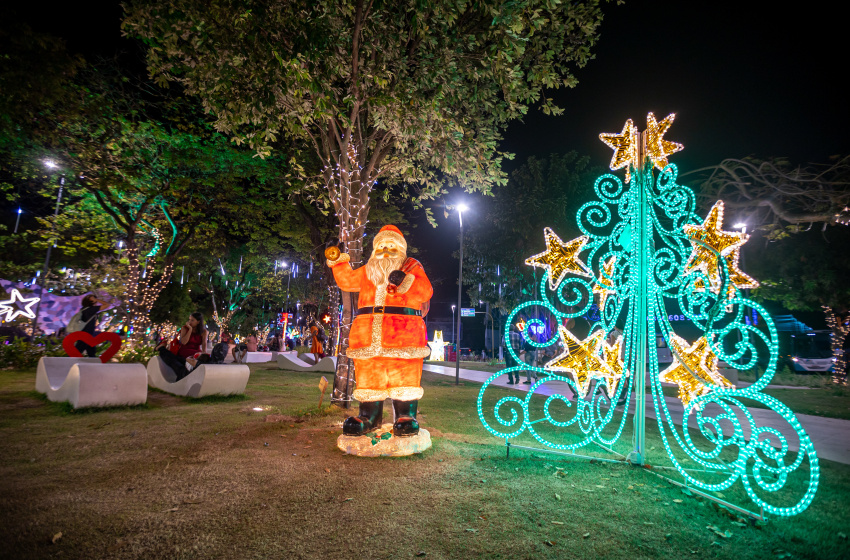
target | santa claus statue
x=388, y=340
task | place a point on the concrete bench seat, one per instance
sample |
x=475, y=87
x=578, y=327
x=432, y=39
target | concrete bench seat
x=258, y=357
x=204, y=380
x=85, y=382
x=306, y=362
x=253, y=358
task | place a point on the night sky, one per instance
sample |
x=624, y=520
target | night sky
x=744, y=79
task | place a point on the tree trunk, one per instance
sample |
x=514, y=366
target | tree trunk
x=142, y=291
x=839, y=334
x=344, y=383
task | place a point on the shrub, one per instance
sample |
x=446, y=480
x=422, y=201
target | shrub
x=18, y=353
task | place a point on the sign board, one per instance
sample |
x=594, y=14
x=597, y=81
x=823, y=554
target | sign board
x=323, y=384
x=467, y=312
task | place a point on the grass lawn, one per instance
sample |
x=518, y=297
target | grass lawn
x=214, y=478
x=817, y=395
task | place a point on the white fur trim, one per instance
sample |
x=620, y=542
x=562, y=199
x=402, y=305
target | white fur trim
x=406, y=393
x=392, y=235
x=370, y=395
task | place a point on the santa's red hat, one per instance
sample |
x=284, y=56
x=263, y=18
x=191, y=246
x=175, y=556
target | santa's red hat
x=391, y=232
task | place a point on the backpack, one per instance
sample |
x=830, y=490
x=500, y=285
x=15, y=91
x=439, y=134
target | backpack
x=76, y=323
x=219, y=353
x=321, y=335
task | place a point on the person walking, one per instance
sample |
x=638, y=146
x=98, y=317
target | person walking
x=317, y=346
x=91, y=307
x=531, y=360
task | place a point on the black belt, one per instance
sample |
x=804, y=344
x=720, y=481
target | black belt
x=389, y=310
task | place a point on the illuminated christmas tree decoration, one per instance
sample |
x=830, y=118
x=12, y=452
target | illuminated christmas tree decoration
x=560, y=258
x=654, y=265
x=694, y=369
x=438, y=347
x=9, y=311
x=657, y=148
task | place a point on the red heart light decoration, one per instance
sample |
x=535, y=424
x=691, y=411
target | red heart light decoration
x=111, y=337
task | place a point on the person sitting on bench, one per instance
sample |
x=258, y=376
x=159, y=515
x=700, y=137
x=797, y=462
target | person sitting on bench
x=190, y=346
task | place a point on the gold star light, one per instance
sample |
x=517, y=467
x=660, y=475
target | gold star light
x=611, y=358
x=580, y=358
x=736, y=275
x=604, y=284
x=708, y=240
x=559, y=258
x=696, y=373
x=657, y=148
x=625, y=147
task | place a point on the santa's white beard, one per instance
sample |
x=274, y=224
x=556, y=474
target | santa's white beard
x=378, y=270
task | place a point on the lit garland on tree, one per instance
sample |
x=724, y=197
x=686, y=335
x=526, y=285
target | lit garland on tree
x=840, y=328
x=645, y=250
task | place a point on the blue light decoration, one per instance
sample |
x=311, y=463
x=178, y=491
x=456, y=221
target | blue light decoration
x=646, y=261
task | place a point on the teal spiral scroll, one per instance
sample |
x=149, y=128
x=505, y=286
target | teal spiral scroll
x=641, y=227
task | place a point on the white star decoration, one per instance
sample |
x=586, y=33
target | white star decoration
x=11, y=312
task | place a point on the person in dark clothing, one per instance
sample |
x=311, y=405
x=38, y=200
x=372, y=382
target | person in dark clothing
x=515, y=338
x=91, y=307
x=193, y=347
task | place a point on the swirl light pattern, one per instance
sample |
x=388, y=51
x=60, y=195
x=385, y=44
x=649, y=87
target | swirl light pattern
x=645, y=256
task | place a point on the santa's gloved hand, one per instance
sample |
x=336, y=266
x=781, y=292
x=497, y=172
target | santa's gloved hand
x=396, y=277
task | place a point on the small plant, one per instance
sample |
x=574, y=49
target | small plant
x=137, y=354
x=19, y=353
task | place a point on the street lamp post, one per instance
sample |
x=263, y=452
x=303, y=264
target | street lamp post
x=18, y=220
x=50, y=165
x=461, y=208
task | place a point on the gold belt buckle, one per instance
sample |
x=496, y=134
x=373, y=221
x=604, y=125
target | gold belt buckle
x=378, y=309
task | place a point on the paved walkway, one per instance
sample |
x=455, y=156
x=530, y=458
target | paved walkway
x=830, y=436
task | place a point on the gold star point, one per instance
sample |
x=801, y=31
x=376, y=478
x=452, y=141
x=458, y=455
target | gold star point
x=580, y=358
x=611, y=358
x=560, y=258
x=708, y=241
x=624, y=146
x=694, y=369
x=657, y=148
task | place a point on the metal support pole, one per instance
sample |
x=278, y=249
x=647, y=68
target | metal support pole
x=640, y=249
x=459, y=290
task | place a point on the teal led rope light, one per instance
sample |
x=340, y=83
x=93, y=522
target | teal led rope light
x=660, y=255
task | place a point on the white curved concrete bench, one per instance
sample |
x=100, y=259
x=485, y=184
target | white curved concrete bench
x=252, y=358
x=288, y=361
x=86, y=382
x=207, y=379
x=258, y=357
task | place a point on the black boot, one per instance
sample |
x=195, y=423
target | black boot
x=405, y=418
x=370, y=418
